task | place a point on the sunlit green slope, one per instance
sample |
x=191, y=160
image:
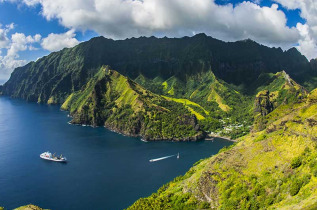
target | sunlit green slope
x=112, y=100
x=275, y=168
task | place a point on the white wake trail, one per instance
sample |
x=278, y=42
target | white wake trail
x=161, y=158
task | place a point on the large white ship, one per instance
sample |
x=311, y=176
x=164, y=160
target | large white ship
x=49, y=156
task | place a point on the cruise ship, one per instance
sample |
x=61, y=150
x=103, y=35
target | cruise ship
x=49, y=156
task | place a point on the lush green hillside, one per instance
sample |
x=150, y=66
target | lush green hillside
x=269, y=169
x=112, y=100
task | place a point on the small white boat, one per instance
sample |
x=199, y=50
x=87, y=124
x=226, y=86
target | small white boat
x=49, y=156
x=144, y=140
x=177, y=155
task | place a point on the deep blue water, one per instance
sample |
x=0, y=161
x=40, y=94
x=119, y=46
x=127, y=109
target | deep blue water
x=105, y=170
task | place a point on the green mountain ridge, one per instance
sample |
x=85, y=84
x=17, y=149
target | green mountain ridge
x=112, y=100
x=275, y=168
x=61, y=73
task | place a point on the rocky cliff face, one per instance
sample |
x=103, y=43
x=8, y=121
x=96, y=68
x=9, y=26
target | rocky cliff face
x=264, y=102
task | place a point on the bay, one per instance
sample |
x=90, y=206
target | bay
x=105, y=170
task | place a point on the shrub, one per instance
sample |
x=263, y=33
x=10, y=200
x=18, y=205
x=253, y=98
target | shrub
x=204, y=205
x=295, y=187
x=306, y=179
x=296, y=162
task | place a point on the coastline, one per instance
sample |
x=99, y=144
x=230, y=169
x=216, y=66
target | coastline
x=211, y=138
x=197, y=137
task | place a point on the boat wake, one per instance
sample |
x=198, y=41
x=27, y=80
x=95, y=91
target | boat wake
x=163, y=158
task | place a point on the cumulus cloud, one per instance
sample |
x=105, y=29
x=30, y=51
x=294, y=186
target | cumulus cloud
x=127, y=18
x=55, y=42
x=13, y=45
x=4, y=40
x=307, y=43
x=308, y=31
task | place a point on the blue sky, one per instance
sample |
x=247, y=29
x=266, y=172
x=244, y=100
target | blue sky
x=32, y=28
x=28, y=20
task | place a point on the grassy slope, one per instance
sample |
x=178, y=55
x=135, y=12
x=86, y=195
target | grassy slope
x=198, y=110
x=201, y=87
x=273, y=168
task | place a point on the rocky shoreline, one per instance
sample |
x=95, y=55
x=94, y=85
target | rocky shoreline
x=200, y=136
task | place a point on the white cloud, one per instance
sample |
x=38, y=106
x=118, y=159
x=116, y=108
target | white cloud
x=11, y=46
x=4, y=40
x=307, y=44
x=308, y=31
x=55, y=42
x=20, y=42
x=16, y=43
x=127, y=18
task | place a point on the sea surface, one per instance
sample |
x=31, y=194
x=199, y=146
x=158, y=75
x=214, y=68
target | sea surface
x=105, y=170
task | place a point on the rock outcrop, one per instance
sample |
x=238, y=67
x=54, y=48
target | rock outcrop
x=264, y=102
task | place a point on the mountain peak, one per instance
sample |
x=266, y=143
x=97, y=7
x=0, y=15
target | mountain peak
x=201, y=35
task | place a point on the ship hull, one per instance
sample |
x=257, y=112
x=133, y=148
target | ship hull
x=52, y=159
